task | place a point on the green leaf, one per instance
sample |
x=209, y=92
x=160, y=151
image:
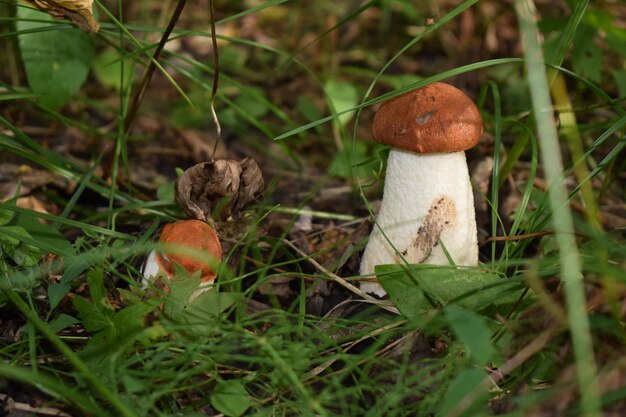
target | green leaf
x=108, y=67
x=133, y=295
x=93, y=318
x=17, y=244
x=112, y=330
x=56, y=292
x=619, y=76
x=402, y=80
x=188, y=302
x=465, y=385
x=307, y=108
x=40, y=235
x=342, y=96
x=97, y=290
x=133, y=385
x=22, y=279
x=13, y=235
x=413, y=288
x=7, y=215
x=586, y=56
x=252, y=102
x=57, y=61
x=343, y=164
x=473, y=332
x=605, y=21
x=62, y=321
x=166, y=192
x=230, y=398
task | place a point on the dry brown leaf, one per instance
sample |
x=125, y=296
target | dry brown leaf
x=222, y=188
x=78, y=11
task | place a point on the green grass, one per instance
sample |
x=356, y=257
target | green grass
x=91, y=341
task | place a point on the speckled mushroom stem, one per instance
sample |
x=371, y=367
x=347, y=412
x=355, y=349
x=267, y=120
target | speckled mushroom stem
x=427, y=203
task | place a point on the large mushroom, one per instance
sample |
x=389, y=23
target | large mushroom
x=427, y=212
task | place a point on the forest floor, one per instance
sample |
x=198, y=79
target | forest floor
x=84, y=202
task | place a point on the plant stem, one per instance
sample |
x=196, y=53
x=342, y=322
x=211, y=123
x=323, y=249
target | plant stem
x=569, y=130
x=130, y=116
x=571, y=276
x=216, y=78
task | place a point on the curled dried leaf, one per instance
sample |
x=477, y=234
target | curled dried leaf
x=222, y=188
x=251, y=184
x=78, y=11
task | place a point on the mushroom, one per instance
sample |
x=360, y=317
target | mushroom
x=195, y=235
x=427, y=211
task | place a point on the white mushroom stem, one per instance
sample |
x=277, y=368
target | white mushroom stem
x=151, y=269
x=427, y=202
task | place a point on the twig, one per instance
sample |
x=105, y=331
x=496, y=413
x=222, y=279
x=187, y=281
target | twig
x=342, y=281
x=11, y=405
x=519, y=237
x=147, y=76
x=216, y=77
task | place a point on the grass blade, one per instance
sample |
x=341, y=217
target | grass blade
x=80, y=366
x=562, y=217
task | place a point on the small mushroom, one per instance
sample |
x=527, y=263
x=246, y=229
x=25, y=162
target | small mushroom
x=192, y=234
x=427, y=203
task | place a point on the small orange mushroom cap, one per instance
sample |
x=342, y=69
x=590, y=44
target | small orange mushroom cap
x=437, y=118
x=193, y=234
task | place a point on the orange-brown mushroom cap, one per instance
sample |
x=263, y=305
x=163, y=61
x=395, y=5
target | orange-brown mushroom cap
x=195, y=235
x=436, y=118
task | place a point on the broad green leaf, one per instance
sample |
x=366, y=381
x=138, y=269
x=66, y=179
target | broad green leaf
x=21, y=279
x=62, y=321
x=402, y=80
x=166, y=192
x=7, y=215
x=93, y=317
x=343, y=96
x=586, y=56
x=230, y=398
x=16, y=243
x=97, y=290
x=108, y=66
x=133, y=385
x=13, y=235
x=187, y=302
x=252, y=101
x=605, y=21
x=77, y=264
x=466, y=385
x=307, y=108
x=473, y=332
x=112, y=330
x=133, y=295
x=57, y=61
x=343, y=162
x=42, y=236
x=414, y=288
x=56, y=292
